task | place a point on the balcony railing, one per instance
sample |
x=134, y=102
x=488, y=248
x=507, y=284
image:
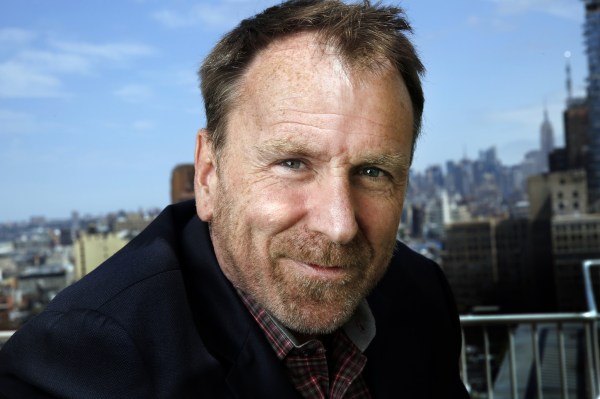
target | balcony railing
x=509, y=381
x=553, y=355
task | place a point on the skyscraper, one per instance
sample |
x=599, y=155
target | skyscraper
x=546, y=141
x=592, y=40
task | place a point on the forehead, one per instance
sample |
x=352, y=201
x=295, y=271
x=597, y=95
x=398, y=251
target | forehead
x=294, y=59
x=303, y=72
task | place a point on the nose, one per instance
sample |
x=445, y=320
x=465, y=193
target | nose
x=333, y=211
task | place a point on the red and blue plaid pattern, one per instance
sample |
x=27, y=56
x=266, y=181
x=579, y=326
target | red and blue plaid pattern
x=307, y=364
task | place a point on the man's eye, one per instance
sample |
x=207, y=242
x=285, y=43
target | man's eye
x=372, y=172
x=292, y=164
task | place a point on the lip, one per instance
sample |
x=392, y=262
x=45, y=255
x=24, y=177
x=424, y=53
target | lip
x=316, y=270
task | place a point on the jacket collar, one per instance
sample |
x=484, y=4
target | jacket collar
x=232, y=336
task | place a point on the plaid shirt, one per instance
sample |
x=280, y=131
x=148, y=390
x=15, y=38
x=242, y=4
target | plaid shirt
x=307, y=364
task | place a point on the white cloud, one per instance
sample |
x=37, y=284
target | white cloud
x=16, y=36
x=527, y=116
x=523, y=123
x=40, y=68
x=20, y=81
x=14, y=122
x=171, y=19
x=223, y=15
x=474, y=20
x=502, y=25
x=199, y=15
x=108, y=51
x=143, y=125
x=54, y=61
x=568, y=9
x=134, y=93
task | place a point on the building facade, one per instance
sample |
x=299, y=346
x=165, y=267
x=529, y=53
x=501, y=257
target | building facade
x=182, y=183
x=487, y=264
x=592, y=41
x=575, y=238
x=91, y=249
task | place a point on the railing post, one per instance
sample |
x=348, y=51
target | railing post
x=595, y=352
x=488, y=367
x=590, y=361
x=563, y=361
x=512, y=364
x=536, y=359
x=463, y=362
x=592, y=336
x=587, y=281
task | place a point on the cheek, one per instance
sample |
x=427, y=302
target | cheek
x=379, y=219
x=276, y=208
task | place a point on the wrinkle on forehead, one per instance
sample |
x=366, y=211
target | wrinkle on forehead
x=306, y=48
x=296, y=83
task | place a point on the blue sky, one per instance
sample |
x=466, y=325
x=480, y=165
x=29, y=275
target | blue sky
x=99, y=100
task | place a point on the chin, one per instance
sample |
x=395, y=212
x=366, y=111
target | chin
x=315, y=319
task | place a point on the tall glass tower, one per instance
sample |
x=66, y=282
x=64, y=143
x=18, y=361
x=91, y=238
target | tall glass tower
x=592, y=41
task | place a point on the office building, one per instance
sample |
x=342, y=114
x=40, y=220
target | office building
x=487, y=264
x=469, y=263
x=557, y=193
x=592, y=41
x=575, y=238
x=91, y=249
x=182, y=183
x=576, y=125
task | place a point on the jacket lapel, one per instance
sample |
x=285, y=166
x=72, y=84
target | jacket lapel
x=225, y=325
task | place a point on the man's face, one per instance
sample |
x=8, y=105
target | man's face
x=305, y=199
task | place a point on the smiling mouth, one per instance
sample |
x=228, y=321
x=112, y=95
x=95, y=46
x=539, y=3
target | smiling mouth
x=322, y=271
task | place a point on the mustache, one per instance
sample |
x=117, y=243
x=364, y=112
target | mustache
x=314, y=248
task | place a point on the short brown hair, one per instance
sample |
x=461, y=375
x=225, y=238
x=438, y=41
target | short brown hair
x=361, y=32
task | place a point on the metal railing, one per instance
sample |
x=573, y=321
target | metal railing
x=556, y=323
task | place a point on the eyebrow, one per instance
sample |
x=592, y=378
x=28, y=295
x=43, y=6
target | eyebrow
x=390, y=160
x=285, y=146
x=288, y=147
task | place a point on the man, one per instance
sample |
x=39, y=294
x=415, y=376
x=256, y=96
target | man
x=285, y=279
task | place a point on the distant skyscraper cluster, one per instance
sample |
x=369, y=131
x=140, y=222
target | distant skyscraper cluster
x=514, y=237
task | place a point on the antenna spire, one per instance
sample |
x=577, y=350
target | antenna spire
x=568, y=82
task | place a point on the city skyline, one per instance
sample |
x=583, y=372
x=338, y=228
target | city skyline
x=99, y=102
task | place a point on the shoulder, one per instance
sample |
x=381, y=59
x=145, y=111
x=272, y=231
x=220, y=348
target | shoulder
x=418, y=332
x=150, y=260
x=414, y=291
x=128, y=322
x=414, y=273
x=78, y=351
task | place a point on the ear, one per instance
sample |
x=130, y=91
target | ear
x=205, y=178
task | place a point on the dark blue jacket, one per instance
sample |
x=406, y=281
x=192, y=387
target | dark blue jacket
x=160, y=320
